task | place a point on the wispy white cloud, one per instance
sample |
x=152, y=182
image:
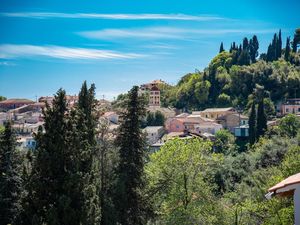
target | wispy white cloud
x=6, y=63
x=165, y=33
x=8, y=51
x=45, y=15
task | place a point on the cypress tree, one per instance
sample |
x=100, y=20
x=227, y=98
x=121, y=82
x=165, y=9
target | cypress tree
x=269, y=56
x=53, y=186
x=261, y=124
x=245, y=44
x=252, y=124
x=88, y=168
x=287, y=50
x=10, y=178
x=254, y=46
x=221, y=48
x=274, y=47
x=296, y=40
x=129, y=201
x=279, y=45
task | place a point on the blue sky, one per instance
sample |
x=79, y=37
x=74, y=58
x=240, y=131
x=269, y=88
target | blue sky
x=45, y=45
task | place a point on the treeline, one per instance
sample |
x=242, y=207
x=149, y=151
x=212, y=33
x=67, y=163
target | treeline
x=199, y=182
x=231, y=77
x=77, y=174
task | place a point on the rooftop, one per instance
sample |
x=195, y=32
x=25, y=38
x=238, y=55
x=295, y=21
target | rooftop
x=294, y=179
x=17, y=100
x=218, y=109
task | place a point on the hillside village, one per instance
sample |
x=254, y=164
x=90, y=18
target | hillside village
x=27, y=116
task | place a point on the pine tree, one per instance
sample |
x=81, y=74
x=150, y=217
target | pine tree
x=221, y=48
x=261, y=124
x=10, y=178
x=287, y=50
x=129, y=201
x=252, y=124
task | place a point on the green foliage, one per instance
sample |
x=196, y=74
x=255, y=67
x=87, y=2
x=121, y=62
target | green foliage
x=10, y=178
x=289, y=125
x=261, y=122
x=2, y=98
x=176, y=183
x=237, y=73
x=225, y=142
x=252, y=124
x=130, y=204
x=296, y=40
x=223, y=100
x=221, y=48
x=154, y=119
x=62, y=187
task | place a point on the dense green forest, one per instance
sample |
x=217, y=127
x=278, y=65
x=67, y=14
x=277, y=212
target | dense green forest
x=79, y=175
x=232, y=76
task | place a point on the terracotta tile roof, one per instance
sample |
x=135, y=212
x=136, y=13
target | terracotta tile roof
x=294, y=179
x=218, y=109
x=17, y=101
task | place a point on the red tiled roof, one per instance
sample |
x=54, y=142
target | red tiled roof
x=17, y=101
x=294, y=179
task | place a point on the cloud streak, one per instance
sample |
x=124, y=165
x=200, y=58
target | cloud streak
x=10, y=51
x=165, y=33
x=46, y=15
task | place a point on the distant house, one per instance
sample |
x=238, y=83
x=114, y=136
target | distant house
x=146, y=87
x=154, y=133
x=208, y=128
x=112, y=117
x=215, y=113
x=46, y=99
x=27, y=142
x=230, y=121
x=174, y=125
x=154, y=96
x=291, y=105
x=71, y=100
x=241, y=131
x=3, y=118
x=192, y=123
x=14, y=103
x=26, y=128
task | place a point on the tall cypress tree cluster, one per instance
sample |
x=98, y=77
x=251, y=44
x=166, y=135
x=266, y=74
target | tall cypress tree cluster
x=257, y=118
x=246, y=53
x=63, y=186
x=10, y=179
x=274, y=49
x=129, y=201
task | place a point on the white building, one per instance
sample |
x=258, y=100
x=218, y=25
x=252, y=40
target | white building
x=154, y=133
x=208, y=127
x=27, y=142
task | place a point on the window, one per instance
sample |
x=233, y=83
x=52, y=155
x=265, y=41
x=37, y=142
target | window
x=286, y=110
